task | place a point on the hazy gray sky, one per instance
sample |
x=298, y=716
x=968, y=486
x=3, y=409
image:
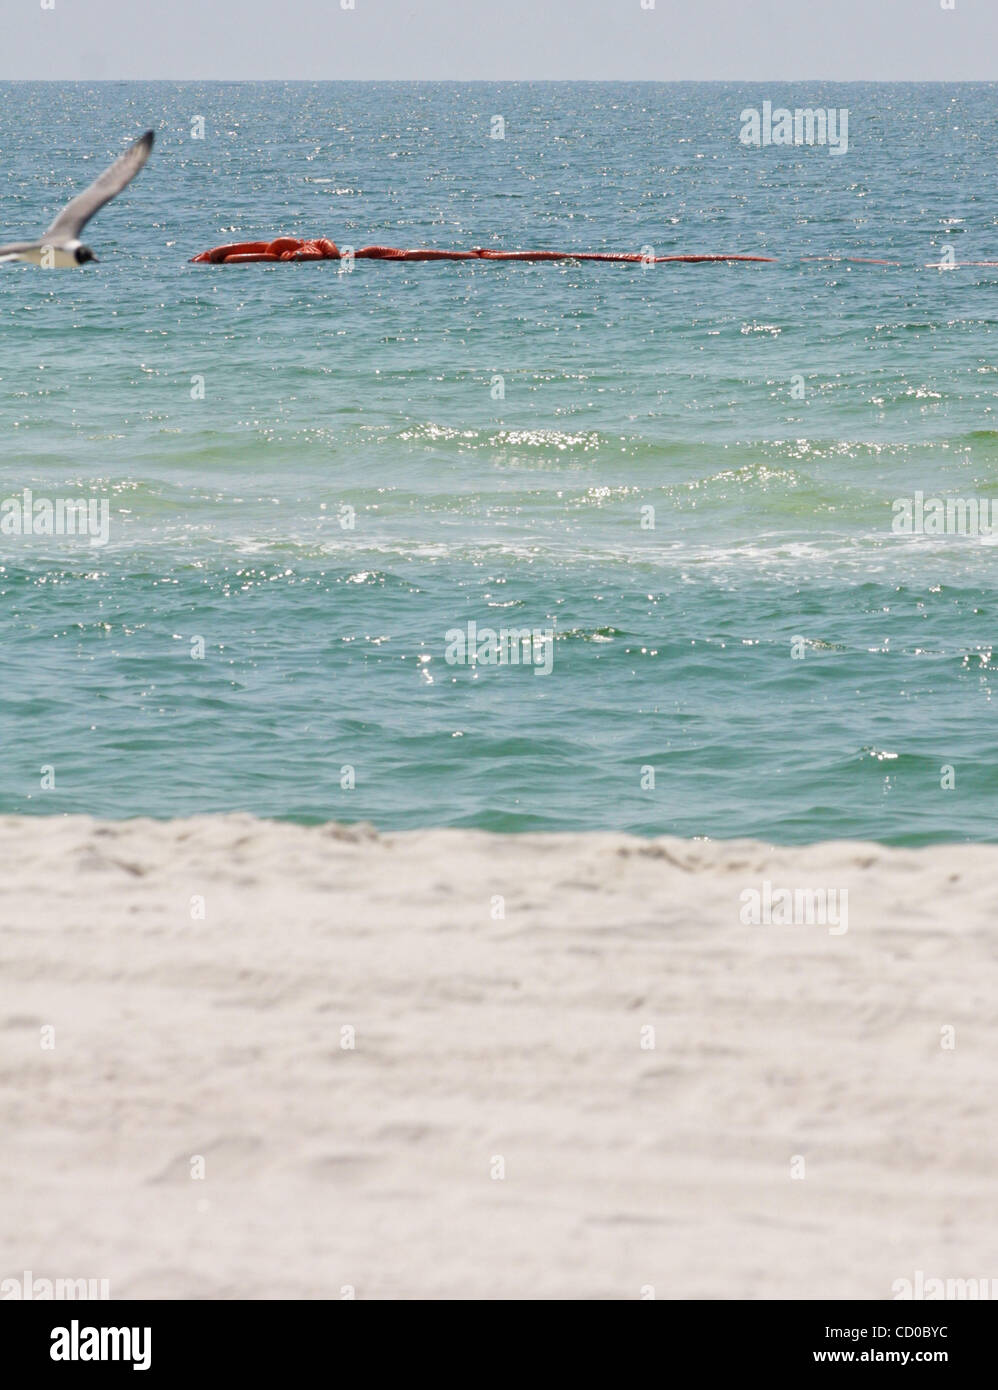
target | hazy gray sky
x=500, y=39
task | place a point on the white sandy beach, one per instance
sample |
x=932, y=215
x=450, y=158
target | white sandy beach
x=627, y=1168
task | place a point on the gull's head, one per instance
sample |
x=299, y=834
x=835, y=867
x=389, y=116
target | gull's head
x=84, y=254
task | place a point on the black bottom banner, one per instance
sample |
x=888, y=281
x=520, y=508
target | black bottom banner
x=174, y=1339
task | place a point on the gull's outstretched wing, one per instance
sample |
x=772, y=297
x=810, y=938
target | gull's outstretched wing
x=14, y=248
x=75, y=215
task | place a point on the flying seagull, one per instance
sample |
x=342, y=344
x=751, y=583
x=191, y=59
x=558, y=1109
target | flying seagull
x=60, y=248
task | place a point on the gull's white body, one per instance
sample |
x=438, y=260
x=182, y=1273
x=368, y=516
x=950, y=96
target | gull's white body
x=61, y=248
x=48, y=257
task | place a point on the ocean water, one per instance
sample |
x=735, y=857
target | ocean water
x=788, y=666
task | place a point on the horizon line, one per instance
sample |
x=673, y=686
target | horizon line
x=551, y=81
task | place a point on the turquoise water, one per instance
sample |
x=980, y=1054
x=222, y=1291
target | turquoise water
x=625, y=388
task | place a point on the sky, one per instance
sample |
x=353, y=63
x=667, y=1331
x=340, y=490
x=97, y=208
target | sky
x=501, y=40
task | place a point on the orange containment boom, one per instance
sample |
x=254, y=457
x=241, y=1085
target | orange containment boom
x=287, y=248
